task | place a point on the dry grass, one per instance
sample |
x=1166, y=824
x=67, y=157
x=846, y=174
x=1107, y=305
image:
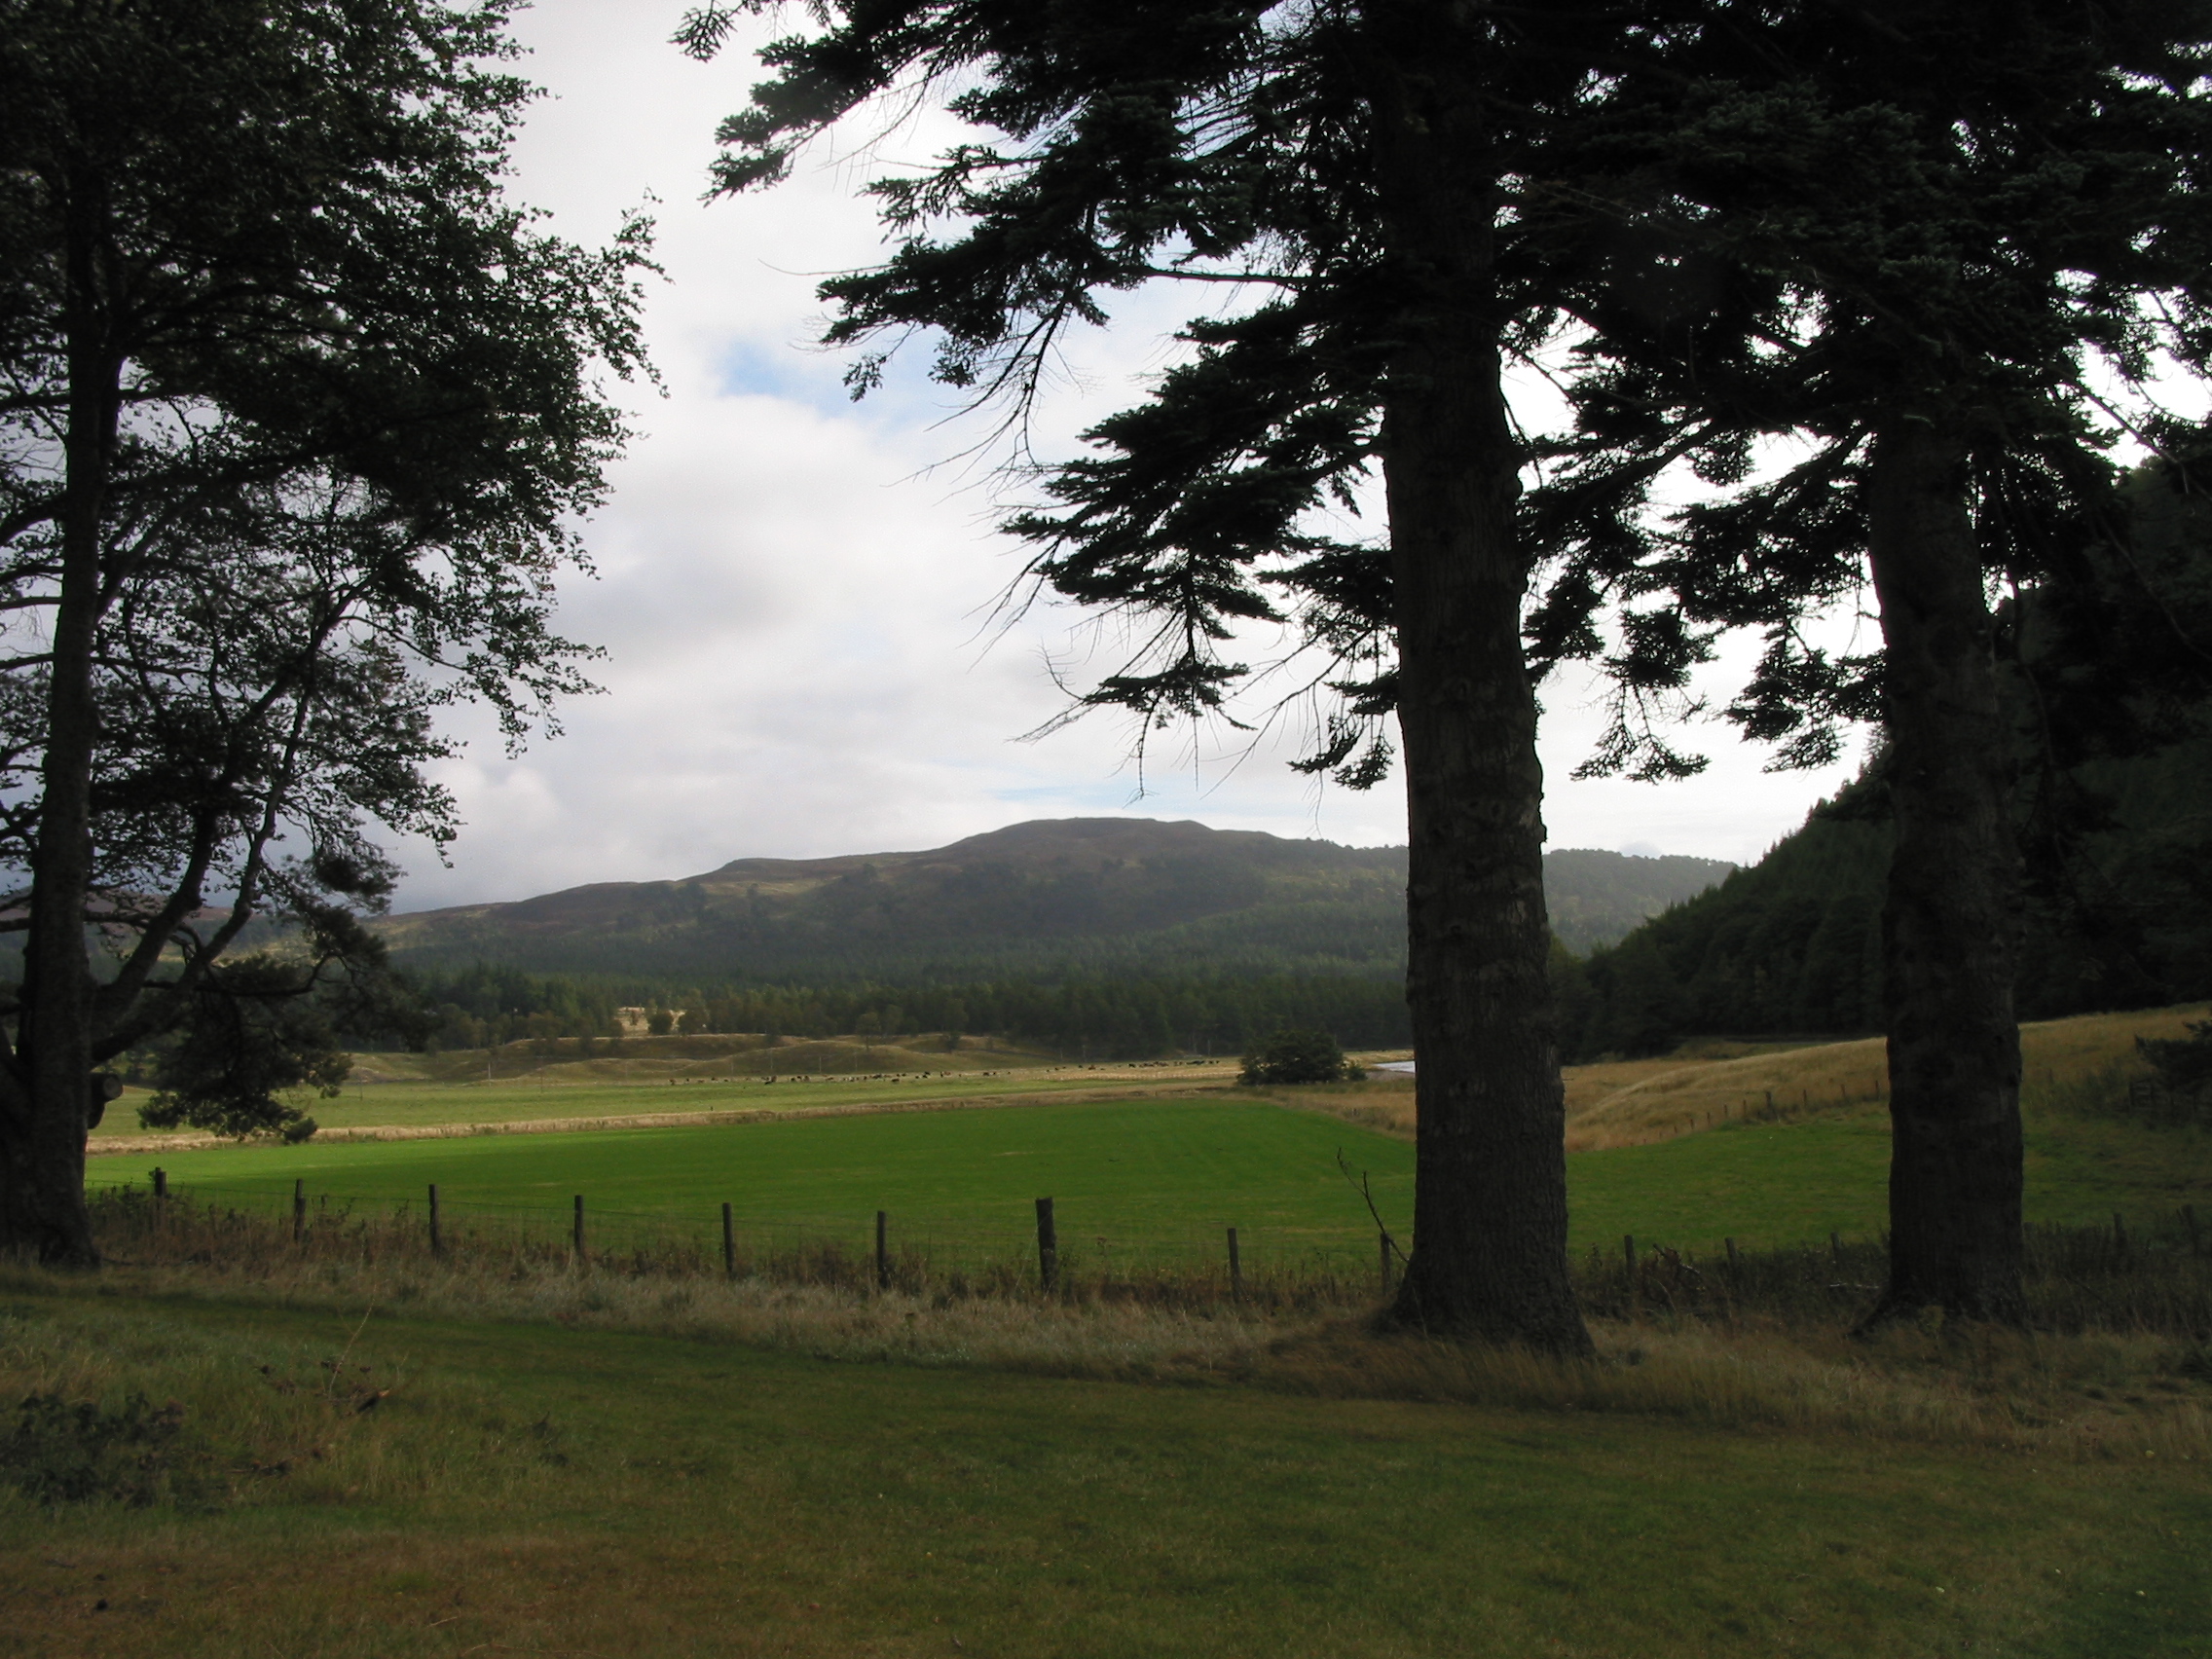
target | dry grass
x=562, y=1060
x=1707, y=1081
x=1628, y=1103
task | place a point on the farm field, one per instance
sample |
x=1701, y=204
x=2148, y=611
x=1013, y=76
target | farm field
x=534, y=1489
x=1608, y=1104
x=1165, y=1177
x=597, y=1091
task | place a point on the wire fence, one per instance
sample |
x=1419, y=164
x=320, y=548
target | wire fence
x=1032, y=1248
x=2153, y=1271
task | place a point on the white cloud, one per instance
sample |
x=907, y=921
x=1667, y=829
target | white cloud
x=793, y=593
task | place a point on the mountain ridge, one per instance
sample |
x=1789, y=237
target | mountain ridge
x=1114, y=894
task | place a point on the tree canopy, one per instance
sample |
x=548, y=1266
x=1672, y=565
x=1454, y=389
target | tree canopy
x=1940, y=245
x=1905, y=238
x=301, y=414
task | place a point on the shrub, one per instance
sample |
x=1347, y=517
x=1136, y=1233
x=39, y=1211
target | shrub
x=1299, y=1056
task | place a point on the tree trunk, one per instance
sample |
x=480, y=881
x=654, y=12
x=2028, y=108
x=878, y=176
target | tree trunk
x=1950, y=926
x=42, y=1129
x=1490, y=1184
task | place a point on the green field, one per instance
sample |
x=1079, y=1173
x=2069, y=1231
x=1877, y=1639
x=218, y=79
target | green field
x=1163, y=1177
x=526, y=1489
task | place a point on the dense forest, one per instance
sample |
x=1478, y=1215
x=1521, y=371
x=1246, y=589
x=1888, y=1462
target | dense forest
x=2116, y=856
x=1083, y=1017
x=1793, y=944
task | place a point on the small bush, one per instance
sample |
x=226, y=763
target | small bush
x=79, y=1454
x=1299, y=1056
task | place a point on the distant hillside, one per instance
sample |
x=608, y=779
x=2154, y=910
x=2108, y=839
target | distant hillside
x=1792, y=943
x=1088, y=894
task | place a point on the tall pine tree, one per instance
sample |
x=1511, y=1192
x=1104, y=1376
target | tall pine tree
x=1381, y=171
x=1923, y=236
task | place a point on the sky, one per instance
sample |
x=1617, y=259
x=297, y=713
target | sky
x=797, y=595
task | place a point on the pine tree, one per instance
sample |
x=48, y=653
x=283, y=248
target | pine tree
x=1383, y=171
x=1912, y=233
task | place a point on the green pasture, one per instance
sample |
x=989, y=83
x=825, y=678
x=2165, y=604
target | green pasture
x=526, y=1489
x=1161, y=1177
x=1144, y=1174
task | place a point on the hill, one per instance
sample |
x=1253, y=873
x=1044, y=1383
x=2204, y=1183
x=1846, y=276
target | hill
x=1088, y=894
x=1792, y=943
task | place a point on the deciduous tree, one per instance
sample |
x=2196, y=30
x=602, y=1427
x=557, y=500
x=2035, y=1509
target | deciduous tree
x=299, y=413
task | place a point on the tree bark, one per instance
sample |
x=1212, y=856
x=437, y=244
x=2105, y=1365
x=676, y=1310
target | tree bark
x=1951, y=922
x=1490, y=1185
x=43, y=1124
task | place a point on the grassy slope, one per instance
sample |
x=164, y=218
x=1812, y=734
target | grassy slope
x=538, y=1490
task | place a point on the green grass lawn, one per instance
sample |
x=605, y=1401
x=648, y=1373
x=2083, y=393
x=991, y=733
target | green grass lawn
x=535, y=1489
x=1165, y=1177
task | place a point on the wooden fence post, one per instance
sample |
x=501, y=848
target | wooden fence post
x=1236, y=1269
x=2120, y=1237
x=1734, y=1266
x=580, y=1236
x=1634, y=1291
x=1382, y=1247
x=1048, y=1248
x=299, y=1209
x=161, y=1182
x=1835, y=1249
x=730, y=1245
x=883, y=1252
x=437, y=1239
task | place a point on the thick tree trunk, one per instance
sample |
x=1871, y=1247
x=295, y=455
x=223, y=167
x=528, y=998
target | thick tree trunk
x=1950, y=927
x=1490, y=1187
x=43, y=1124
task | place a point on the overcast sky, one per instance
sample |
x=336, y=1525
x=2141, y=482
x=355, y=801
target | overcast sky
x=794, y=592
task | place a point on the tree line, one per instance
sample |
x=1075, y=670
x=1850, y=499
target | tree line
x=1081, y=1016
x=1792, y=945
x=2115, y=851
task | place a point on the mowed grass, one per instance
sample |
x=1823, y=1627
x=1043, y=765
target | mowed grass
x=532, y=1489
x=1165, y=1177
